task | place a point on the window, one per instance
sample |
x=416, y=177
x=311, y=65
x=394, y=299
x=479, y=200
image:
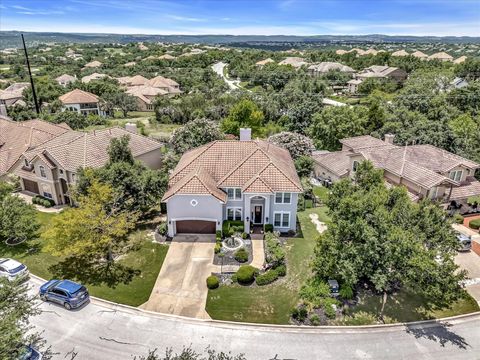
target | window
x=281, y=219
x=61, y=172
x=456, y=175
x=42, y=171
x=283, y=198
x=73, y=177
x=47, y=195
x=355, y=165
x=234, y=213
x=234, y=194
x=26, y=163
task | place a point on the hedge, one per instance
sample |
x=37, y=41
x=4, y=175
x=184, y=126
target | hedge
x=246, y=274
x=43, y=201
x=234, y=226
x=241, y=255
x=213, y=282
x=266, y=278
x=474, y=224
x=268, y=228
x=458, y=219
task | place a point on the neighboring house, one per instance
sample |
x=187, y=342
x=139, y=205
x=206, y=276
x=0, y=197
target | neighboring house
x=400, y=53
x=458, y=83
x=359, y=52
x=94, y=76
x=93, y=64
x=325, y=67
x=352, y=85
x=129, y=64
x=250, y=181
x=169, y=85
x=341, y=52
x=142, y=47
x=83, y=102
x=425, y=170
x=262, y=63
x=50, y=168
x=65, y=79
x=13, y=95
x=379, y=71
x=296, y=62
x=420, y=55
x=371, y=51
x=145, y=96
x=166, y=57
x=442, y=56
x=137, y=80
x=16, y=137
x=460, y=60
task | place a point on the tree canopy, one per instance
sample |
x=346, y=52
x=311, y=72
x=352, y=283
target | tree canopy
x=193, y=134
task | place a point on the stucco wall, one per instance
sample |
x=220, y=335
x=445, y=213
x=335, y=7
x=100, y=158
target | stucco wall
x=152, y=159
x=323, y=173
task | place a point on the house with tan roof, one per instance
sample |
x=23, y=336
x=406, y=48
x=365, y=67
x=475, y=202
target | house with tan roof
x=145, y=96
x=326, y=66
x=400, y=53
x=65, y=79
x=420, y=55
x=16, y=137
x=442, y=56
x=341, y=52
x=169, y=85
x=296, y=62
x=425, y=170
x=166, y=57
x=82, y=102
x=460, y=60
x=136, y=80
x=247, y=180
x=380, y=71
x=95, y=76
x=50, y=168
x=264, y=62
x=93, y=64
x=13, y=95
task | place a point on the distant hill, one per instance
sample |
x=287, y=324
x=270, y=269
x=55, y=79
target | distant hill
x=9, y=39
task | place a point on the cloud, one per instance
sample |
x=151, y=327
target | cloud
x=185, y=18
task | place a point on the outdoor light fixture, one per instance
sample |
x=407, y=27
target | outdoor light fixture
x=266, y=219
x=248, y=219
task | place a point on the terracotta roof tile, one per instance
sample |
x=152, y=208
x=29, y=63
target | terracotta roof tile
x=78, y=96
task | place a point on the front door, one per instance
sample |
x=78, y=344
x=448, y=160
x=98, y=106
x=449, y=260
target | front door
x=257, y=214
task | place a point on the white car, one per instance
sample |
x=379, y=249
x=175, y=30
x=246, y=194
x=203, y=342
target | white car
x=12, y=269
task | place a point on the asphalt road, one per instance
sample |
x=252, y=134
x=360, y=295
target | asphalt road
x=218, y=68
x=101, y=331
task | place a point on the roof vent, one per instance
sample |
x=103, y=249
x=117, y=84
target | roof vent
x=245, y=134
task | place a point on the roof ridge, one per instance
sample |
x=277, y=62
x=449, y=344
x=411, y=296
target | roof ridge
x=283, y=173
x=244, y=160
x=255, y=178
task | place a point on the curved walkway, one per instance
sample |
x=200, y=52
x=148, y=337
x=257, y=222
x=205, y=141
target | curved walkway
x=103, y=330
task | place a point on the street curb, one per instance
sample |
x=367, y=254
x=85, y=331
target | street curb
x=295, y=328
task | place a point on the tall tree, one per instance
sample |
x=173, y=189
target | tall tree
x=119, y=151
x=193, y=134
x=297, y=144
x=244, y=114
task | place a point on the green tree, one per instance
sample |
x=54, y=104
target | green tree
x=119, y=151
x=193, y=134
x=380, y=237
x=304, y=166
x=297, y=144
x=244, y=114
x=18, y=221
x=123, y=101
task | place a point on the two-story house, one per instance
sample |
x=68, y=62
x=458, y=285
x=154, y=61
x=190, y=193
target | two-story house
x=425, y=170
x=50, y=169
x=247, y=180
x=83, y=102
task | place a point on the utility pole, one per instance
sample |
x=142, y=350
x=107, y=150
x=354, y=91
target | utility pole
x=37, y=109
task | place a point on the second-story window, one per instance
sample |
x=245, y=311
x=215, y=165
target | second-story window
x=355, y=165
x=26, y=163
x=283, y=198
x=456, y=175
x=234, y=194
x=43, y=174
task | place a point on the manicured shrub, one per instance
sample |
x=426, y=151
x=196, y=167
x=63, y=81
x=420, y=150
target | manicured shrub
x=474, y=224
x=230, y=227
x=246, y=274
x=234, y=278
x=218, y=247
x=266, y=278
x=241, y=255
x=268, y=228
x=458, y=219
x=213, y=282
x=346, y=292
x=43, y=201
x=281, y=270
x=162, y=229
x=300, y=313
x=244, y=235
x=275, y=252
x=218, y=235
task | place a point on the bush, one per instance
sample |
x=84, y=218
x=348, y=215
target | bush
x=474, y=224
x=281, y=270
x=162, y=229
x=346, y=292
x=268, y=228
x=241, y=255
x=300, y=313
x=230, y=227
x=330, y=311
x=213, y=282
x=275, y=253
x=359, y=318
x=244, y=235
x=246, y=274
x=315, y=320
x=43, y=201
x=266, y=278
x=218, y=235
x=458, y=219
x=218, y=247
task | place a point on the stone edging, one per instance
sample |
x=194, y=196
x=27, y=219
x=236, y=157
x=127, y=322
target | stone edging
x=293, y=328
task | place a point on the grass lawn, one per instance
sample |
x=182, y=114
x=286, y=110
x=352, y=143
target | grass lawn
x=321, y=192
x=148, y=259
x=272, y=303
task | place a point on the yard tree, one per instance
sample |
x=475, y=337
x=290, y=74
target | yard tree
x=244, y=114
x=18, y=220
x=379, y=237
x=304, y=166
x=193, y=134
x=17, y=306
x=96, y=228
x=121, y=100
x=119, y=151
x=297, y=144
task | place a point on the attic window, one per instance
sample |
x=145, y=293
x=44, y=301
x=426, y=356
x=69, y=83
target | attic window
x=26, y=163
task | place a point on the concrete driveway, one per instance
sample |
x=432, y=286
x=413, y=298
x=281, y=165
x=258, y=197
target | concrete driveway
x=471, y=262
x=180, y=288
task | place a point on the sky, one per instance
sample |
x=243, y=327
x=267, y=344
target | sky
x=245, y=17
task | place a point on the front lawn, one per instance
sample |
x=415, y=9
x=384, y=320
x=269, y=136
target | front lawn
x=270, y=304
x=148, y=259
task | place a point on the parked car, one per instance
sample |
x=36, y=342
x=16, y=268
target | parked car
x=64, y=292
x=465, y=242
x=334, y=288
x=12, y=269
x=30, y=353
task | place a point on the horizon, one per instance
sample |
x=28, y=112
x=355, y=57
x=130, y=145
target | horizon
x=272, y=18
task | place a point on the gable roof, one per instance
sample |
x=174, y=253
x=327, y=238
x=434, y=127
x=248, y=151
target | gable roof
x=264, y=62
x=400, y=53
x=250, y=165
x=419, y=54
x=160, y=81
x=78, y=96
x=65, y=78
x=327, y=66
x=441, y=56
x=93, y=64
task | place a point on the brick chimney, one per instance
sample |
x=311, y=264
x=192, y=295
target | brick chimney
x=389, y=138
x=245, y=134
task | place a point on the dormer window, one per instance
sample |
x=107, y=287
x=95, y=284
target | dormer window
x=26, y=163
x=355, y=165
x=43, y=174
x=234, y=194
x=456, y=175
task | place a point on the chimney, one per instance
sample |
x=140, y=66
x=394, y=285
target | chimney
x=245, y=134
x=131, y=127
x=3, y=110
x=389, y=138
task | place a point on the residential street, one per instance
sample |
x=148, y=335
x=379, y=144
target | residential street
x=103, y=332
x=218, y=68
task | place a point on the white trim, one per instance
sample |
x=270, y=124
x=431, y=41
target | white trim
x=234, y=194
x=283, y=198
x=281, y=219
x=234, y=208
x=454, y=173
x=253, y=212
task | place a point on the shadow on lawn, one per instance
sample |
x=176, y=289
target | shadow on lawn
x=93, y=272
x=439, y=333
